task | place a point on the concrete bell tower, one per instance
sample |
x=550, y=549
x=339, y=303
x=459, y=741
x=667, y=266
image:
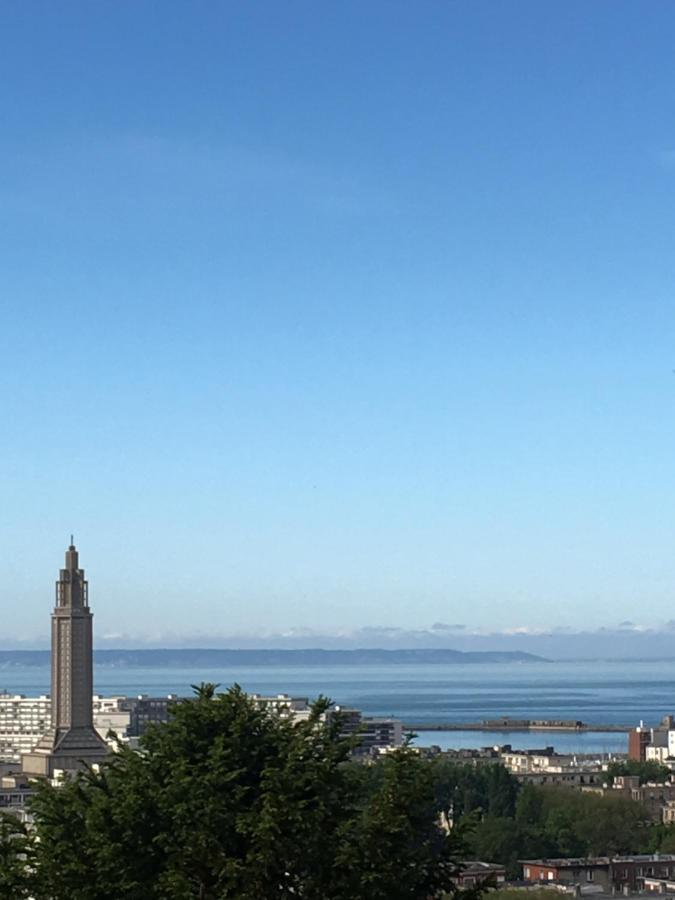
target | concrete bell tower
x=72, y=741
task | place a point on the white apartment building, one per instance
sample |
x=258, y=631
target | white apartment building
x=23, y=721
x=654, y=753
x=521, y=762
x=376, y=733
x=289, y=707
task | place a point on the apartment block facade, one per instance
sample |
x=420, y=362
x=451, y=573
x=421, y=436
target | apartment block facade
x=23, y=721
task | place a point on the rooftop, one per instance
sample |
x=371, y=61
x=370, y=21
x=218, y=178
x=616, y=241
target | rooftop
x=599, y=860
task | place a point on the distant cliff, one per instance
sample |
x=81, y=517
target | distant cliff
x=190, y=658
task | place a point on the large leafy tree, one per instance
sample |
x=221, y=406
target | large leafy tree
x=16, y=867
x=462, y=789
x=647, y=770
x=229, y=800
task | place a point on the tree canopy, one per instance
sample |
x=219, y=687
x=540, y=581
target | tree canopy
x=504, y=821
x=229, y=800
x=647, y=770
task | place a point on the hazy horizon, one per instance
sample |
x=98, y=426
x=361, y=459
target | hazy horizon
x=625, y=641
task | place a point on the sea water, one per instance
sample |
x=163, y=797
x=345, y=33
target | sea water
x=621, y=692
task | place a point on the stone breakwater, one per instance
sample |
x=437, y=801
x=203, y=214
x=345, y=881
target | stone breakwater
x=515, y=725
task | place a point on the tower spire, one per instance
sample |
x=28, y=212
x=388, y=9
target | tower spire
x=71, y=740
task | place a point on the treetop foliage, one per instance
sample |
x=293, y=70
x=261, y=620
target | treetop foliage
x=229, y=800
x=647, y=770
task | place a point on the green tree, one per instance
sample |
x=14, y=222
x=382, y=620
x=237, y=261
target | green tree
x=228, y=800
x=529, y=805
x=612, y=825
x=580, y=824
x=561, y=830
x=647, y=770
x=502, y=791
x=498, y=839
x=462, y=789
x=15, y=859
x=662, y=839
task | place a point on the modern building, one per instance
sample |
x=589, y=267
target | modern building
x=520, y=762
x=607, y=873
x=638, y=741
x=71, y=740
x=111, y=715
x=657, y=743
x=286, y=706
x=24, y=720
x=144, y=711
x=545, y=766
x=374, y=734
x=658, y=754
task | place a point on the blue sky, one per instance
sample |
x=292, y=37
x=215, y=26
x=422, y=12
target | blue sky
x=332, y=316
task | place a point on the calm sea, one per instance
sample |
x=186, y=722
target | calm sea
x=595, y=692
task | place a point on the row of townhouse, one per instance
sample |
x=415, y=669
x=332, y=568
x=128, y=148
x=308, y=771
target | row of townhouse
x=545, y=766
x=606, y=873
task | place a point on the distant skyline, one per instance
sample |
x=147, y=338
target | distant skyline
x=330, y=318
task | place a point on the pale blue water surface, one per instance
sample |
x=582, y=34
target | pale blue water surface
x=621, y=692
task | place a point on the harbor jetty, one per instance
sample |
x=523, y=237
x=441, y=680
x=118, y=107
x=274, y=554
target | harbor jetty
x=507, y=724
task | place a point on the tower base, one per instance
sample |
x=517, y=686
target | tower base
x=69, y=751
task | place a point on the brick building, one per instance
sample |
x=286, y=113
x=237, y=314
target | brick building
x=638, y=741
x=607, y=873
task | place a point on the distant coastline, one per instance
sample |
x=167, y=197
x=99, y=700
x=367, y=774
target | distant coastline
x=209, y=658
